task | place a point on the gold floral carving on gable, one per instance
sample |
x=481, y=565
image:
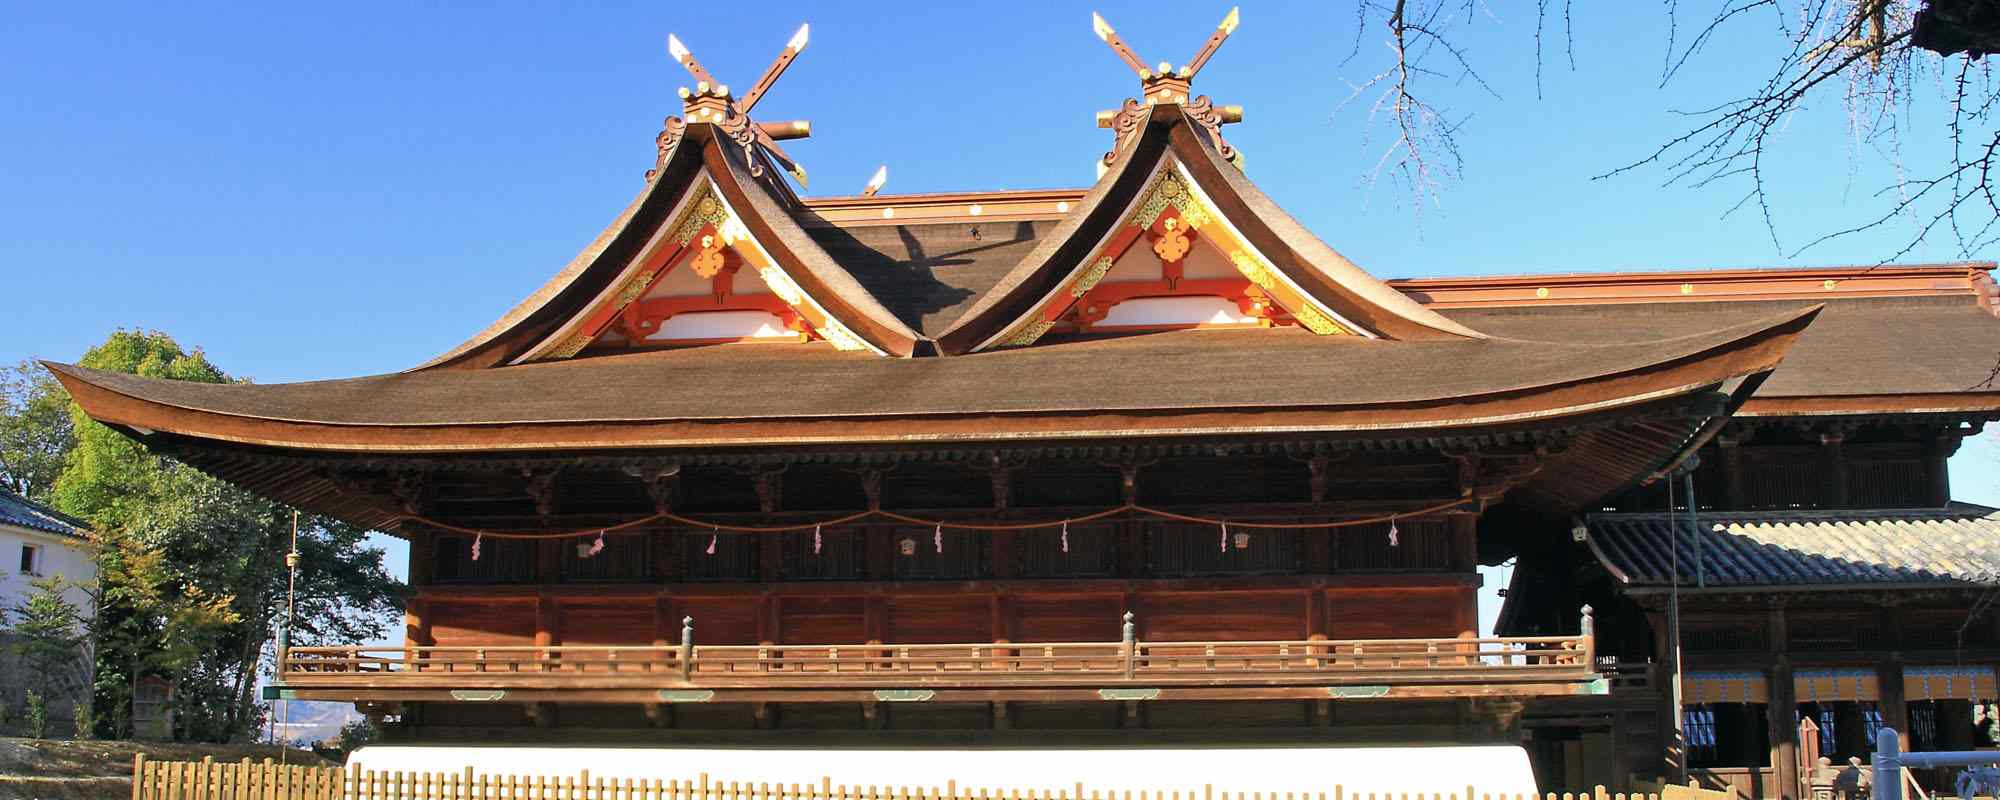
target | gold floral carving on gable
x=707, y=210
x=1169, y=191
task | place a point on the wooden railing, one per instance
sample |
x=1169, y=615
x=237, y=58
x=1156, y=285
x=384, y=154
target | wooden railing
x=213, y=780
x=1553, y=663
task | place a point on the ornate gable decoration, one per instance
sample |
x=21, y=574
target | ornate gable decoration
x=710, y=101
x=1198, y=272
x=687, y=287
x=1166, y=86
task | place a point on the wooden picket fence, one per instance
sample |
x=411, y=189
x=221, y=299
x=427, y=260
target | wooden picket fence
x=208, y=779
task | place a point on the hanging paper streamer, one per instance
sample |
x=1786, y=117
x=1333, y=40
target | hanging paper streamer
x=1225, y=537
x=711, y=543
x=1392, y=532
x=475, y=546
x=937, y=538
x=815, y=540
x=597, y=546
x=1065, y=536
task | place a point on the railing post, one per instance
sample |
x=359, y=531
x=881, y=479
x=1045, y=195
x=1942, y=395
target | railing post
x=1589, y=630
x=1129, y=637
x=687, y=648
x=1888, y=765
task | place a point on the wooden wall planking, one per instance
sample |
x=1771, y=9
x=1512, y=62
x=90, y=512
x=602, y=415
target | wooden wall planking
x=833, y=614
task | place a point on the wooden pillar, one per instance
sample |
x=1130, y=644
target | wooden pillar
x=673, y=545
x=767, y=619
x=1316, y=613
x=417, y=623
x=1319, y=550
x=770, y=557
x=1783, y=733
x=875, y=618
x=878, y=551
x=1833, y=468
x=1003, y=555
x=423, y=558
x=548, y=622
x=1132, y=548
x=548, y=560
x=1671, y=747
x=1895, y=707
x=1464, y=542
x=1729, y=467
x=666, y=628
x=1937, y=458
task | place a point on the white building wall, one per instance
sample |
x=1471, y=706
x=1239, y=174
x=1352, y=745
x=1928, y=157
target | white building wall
x=62, y=555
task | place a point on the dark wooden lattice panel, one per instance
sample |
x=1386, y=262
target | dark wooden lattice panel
x=1182, y=549
x=1093, y=552
x=1421, y=546
x=626, y=557
x=500, y=560
x=734, y=559
x=839, y=556
x=915, y=554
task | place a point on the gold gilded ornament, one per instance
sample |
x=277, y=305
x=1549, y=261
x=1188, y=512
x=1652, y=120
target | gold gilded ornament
x=1173, y=245
x=1088, y=280
x=710, y=260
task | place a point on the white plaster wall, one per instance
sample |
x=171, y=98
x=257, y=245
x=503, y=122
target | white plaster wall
x=61, y=555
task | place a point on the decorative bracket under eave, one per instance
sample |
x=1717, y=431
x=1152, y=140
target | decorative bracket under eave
x=1167, y=86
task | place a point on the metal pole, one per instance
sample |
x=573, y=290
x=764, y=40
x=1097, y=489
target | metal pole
x=1694, y=521
x=1888, y=765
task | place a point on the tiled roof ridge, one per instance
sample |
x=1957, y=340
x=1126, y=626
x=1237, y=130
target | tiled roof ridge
x=35, y=516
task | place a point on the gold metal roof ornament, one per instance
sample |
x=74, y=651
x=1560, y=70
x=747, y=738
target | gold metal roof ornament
x=710, y=102
x=1166, y=86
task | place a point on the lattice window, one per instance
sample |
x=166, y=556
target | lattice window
x=1421, y=546
x=500, y=560
x=626, y=557
x=1179, y=549
x=1699, y=724
x=1093, y=552
x=838, y=556
x=916, y=555
x=734, y=557
x=1899, y=483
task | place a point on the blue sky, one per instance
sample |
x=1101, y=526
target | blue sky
x=342, y=189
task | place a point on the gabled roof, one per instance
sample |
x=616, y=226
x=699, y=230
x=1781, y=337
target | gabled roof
x=1760, y=550
x=697, y=160
x=21, y=512
x=1183, y=383
x=1168, y=138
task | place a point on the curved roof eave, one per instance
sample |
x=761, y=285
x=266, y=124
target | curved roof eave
x=146, y=405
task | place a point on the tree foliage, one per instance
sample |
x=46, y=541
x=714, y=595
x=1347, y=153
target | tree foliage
x=50, y=638
x=191, y=569
x=35, y=430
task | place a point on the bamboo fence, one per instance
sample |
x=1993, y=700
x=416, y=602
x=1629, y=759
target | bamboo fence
x=209, y=779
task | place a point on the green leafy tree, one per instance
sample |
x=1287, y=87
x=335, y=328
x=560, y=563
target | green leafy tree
x=36, y=432
x=37, y=718
x=50, y=638
x=192, y=569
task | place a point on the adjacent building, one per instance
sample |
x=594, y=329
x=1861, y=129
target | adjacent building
x=41, y=545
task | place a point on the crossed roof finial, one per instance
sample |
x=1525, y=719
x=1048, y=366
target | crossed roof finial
x=1165, y=85
x=710, y=102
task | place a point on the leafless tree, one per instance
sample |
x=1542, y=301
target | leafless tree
x=1877, y=57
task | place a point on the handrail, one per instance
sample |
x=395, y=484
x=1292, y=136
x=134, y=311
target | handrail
x=1557, y=658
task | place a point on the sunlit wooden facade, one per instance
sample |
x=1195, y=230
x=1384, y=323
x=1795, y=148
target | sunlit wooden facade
x=1145, y=461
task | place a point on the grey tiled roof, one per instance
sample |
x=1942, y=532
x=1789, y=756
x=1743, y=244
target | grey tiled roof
x=21, y=512
x=1959, y=544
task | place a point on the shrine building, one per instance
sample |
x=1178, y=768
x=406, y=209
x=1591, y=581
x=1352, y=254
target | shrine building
x=1146, y=462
